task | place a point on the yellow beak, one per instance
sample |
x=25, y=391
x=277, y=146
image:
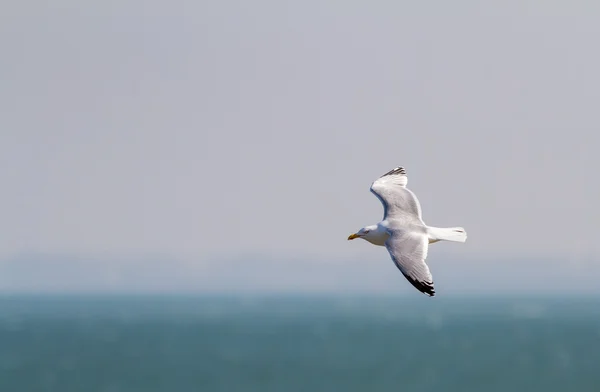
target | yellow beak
x=353, y=236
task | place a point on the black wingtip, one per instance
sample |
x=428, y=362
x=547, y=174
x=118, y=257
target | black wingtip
x=399, y=170
x=424, y=287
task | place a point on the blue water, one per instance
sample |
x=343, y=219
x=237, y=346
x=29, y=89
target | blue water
x=298, y=344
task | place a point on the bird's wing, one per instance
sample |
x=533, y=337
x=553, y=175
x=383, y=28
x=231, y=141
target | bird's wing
x=409, y=251
x=397, y=200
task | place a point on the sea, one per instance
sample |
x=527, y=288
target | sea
x=304, y=343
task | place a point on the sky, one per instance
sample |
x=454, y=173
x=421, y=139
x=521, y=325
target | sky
x=230, y=144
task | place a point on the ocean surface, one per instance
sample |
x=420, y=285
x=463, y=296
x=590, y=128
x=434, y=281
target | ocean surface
x=298, y=343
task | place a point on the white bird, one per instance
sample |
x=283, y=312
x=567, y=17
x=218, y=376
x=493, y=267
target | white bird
x=403, y=232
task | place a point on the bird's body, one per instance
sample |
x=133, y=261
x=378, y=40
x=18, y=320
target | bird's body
x=402, y=230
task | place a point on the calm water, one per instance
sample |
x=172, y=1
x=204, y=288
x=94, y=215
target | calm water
x=298, y=344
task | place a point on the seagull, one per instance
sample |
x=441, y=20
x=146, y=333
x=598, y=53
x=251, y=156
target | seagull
x=403, y=232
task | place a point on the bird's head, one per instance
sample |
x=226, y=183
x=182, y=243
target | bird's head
x=364, y=233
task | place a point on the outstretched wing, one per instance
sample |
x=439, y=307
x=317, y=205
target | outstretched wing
x=409, y=251
x=397, y=200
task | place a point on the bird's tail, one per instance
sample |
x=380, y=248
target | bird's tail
x=455, y=234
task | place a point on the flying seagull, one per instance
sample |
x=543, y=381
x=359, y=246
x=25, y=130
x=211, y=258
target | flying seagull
x=403, y=232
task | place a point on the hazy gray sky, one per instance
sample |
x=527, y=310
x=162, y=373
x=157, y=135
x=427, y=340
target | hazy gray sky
x=203, y=131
